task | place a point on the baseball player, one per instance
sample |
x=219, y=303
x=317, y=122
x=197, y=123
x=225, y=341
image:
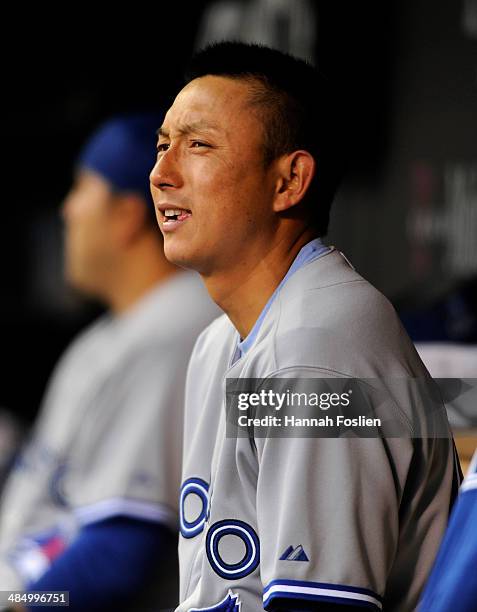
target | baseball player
x=247, y=166
x=91, y=507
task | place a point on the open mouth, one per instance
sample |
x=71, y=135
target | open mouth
x=173, y=216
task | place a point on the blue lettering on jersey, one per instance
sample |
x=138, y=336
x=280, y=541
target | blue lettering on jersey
x=200, y=488
x=230, y=603
x=245, y=533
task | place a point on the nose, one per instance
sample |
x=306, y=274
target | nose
x=165, y=173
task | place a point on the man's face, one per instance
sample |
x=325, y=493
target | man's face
x=87, y=212
x=210, y=167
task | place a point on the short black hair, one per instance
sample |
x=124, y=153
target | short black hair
x=298, y=109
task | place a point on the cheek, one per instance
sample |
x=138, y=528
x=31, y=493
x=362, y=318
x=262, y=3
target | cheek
x=89, y=232
x=226, y=195
x=223, y=183
x=86, y=226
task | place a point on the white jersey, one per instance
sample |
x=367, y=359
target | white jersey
x=267, y=521
x=108, y=440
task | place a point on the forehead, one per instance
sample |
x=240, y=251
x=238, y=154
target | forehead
x=213, y=102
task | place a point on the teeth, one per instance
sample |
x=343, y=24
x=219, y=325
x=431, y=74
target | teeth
x=171, y=212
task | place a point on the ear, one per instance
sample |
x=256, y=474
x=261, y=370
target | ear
x=296, y=171
x=129, y=218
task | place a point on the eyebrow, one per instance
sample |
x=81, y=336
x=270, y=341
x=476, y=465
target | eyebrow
x=196, y=126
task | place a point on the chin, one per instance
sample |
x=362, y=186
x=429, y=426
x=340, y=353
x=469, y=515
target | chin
x=80, y=283
x=178, y=255
x=187, y=255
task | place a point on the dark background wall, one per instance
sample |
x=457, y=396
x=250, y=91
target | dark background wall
x=406, y=215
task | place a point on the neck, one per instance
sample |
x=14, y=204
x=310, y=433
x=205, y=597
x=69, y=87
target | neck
x=243, y=291
x=142, y=268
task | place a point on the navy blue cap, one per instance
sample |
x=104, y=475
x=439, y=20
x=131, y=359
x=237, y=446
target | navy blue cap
x=123, y=151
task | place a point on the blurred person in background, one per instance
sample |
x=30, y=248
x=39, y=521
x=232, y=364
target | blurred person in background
x=91, y=506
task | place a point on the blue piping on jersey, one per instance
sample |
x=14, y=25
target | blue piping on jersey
x=311, y=251
x=316, y=591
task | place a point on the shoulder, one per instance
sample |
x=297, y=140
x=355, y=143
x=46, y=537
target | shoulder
x=328, y=316
x=82, y=351
x=331, y=292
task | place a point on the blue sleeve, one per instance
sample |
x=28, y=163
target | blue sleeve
x=453, y=581
x=109, y=563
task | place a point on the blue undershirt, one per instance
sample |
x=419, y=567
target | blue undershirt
x=311, y=251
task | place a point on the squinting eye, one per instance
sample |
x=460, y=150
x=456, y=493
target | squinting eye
x=163, y=146
x=197, y=143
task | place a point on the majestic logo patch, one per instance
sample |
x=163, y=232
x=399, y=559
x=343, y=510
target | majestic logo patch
x=230, y=603
x=294, y=554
